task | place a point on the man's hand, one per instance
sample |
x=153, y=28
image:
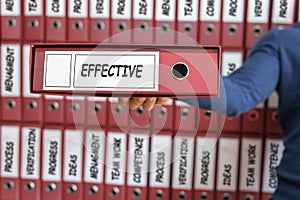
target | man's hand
x=146, y=102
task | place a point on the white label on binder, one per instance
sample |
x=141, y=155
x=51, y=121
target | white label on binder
x=10, y=70
x=228, y=165
x=97, y=99
x=115, y=158
x=26, y=74
x=160, y=161
x=78, y=8
x=187, y=11
x=210, y=11
x=258, y=12
x=183, y=157
x=165, y=10
x=52, y=154
x=283, y=11
x=56, y=8
x=143, y=10
x=99, y=9
x=31, y=142
x=250, y=168
x=10, y=139
x=33, y=8
x=73, y=145
x=231, y=61
x=233, y=11
x=138, y=154
x=94, y=156
x=273, y=154
x=121, y=9
x=53, y=97
x=115, y=70
x=205, y=163
x=10, y=8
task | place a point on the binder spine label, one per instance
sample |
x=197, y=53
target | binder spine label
x=33, y=8
x=210, y=11
x=187, y=11
x=283, y=11
x=118, y=71
x=205, y=163
x=228, y=165
x=98, y=99
x=231, y=61
x=31, y=142
x=10, y=70
x=78, y=8
x=94, y=156
x=143, y=9
x=273, y=154
x=10, y=8
x=233, y=11
x=165, y=10
x=52, y=155
x=116, y=158
x=138, y=159
x=121, y=9
x=73, y=155
x=160, y=161
x=99, y=9
x=10, y=139
x=56, y=8
x=258, y=12
x=250, y=164
x=26, y=74
x=183, y=157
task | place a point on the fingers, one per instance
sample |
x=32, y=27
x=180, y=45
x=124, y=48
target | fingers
x=134, y=103
x=162, y=100
x=149, y=103
x=123, y=101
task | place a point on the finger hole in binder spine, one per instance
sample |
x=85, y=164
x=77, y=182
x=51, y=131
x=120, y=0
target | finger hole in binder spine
x=227, y=197
x=232, y=29
x=249, y=197
x=209, y=29
x=207, y=113
x=187, y=28
x=181, y=195
x=203, y=196
x=115, y=191
x=257, y=30
x=51, y=187
x=93, y=190
x=53, y=106
x=137, y=193
x=118, y=109
x=11, y=22
x=32, y=105
x=275, y=116
x=29, y=186
x=74, y=107
x=72, y=189
x=163, y=112
x=78, y=25
x=99, y=25
x=121, y=27
x=96, y=109
x=11, y=104
x=143, y=26
x=184, y=113
x=33, y=24
x=165, y=28
x=56, y=24
x=159, y=194
x=9, y=185
x=253, y=115
x=180, y=71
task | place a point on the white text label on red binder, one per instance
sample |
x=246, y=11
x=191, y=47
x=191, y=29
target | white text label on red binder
x=187, y=11
x=116, y=158
x=94, y=156
x=121, y=9
x=258, y=12
x=160, y=161
x=233, y=11
x=273, y=154
x=99, y=9
x=283, y=11
x=10, y=8
x=33, y=8
x=165, y=10
x=52, y=153
x=143, y=10
x=31, y=142
x=118, y=71
x=231, y=61
x=183, y=157
x=10, y=139
x=56, y=8
x=205, y=163
x=250, y=164
x=10, y=70
x=138, y=159
x=210, y=11
x=73, y=145
x=78, y=9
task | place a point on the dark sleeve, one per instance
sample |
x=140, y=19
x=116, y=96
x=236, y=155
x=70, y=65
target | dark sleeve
x=252, y=83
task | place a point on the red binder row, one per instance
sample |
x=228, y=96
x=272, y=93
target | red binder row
x=40, y=161
x=183, y=22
